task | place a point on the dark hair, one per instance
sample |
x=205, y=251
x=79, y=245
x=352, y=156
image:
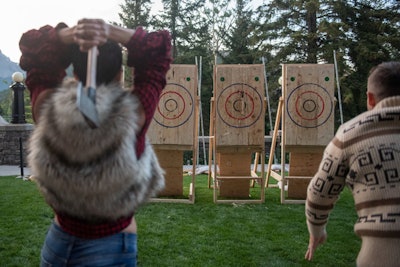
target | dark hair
x=384, y=80
x=109, y=62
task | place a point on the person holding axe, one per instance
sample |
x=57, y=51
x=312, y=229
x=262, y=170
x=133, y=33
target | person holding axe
x=93, y=171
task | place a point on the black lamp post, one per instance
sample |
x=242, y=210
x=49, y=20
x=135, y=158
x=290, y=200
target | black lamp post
x=18, y=106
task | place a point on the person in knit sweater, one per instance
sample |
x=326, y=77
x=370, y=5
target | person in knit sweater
x=364, y=155
x=93, y=178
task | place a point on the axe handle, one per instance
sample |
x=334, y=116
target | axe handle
x=91, y=68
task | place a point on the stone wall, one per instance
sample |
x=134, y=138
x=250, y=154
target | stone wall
x=10, y=136
x=10, y=146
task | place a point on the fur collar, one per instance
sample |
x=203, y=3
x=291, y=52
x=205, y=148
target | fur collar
x=93, y=174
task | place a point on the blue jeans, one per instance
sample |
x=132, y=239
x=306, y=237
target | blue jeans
x=62, y=249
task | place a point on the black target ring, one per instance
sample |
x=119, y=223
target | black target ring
x=241, y=107
x=312, y=102
x=173, y=110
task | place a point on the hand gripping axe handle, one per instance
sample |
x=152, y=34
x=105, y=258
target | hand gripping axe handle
x=86, y=97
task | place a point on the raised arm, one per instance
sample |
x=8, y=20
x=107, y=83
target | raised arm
x=148, y=54
x=45, y=56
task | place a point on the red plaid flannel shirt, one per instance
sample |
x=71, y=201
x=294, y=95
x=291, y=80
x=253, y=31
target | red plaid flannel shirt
x=45, y=59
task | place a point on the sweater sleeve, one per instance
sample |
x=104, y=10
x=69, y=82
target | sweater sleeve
x=325, y=187
x=44, y=58
x=149, y=54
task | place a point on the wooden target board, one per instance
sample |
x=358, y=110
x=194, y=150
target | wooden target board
x=308, y=92
x=239, y=105
x=174, y=118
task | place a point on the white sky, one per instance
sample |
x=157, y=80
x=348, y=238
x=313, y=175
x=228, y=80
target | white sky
x=22, y=15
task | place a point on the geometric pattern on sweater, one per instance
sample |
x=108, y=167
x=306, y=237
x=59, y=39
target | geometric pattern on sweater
x=379, y=218
x=317, y=218
x=334, y=188
x=363, y=159
x=374, y=118
x=365, y=156
x=386, y=154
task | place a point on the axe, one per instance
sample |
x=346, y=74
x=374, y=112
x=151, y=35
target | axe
x=86, y=97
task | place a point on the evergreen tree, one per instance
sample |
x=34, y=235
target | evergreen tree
x=238, y=40
x=186, y=23
x=291, y=26
x=362, y=32
x=135, y=13
x=190, y=24
x=373, y=37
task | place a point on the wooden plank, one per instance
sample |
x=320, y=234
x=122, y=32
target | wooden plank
x=174, y=119
x=234, y=188
x=234, y=165
x=239, y=201
x=171, y=161
x=239, y=105
x=173, y=182
x=191, y=190
x=276, y=132
x=308, y=91
x=293, y=201
x=237, y=164
x=297, y=188
x=171, y=200
x=238, y=149
x=307, y=123
x=304, y=149
x=276, y=176
x=173, y=147
x=304, y=164
x=169, y=158
x=174, y=128
x=254, y=174
x=236, y=177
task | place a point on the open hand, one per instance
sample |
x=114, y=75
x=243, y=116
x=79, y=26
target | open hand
x=313, y=244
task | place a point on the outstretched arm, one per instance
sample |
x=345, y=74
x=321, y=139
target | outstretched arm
x=322, y=194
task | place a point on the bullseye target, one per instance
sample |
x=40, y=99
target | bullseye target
x=239, y=105
x=309, y=105
x=175, y=107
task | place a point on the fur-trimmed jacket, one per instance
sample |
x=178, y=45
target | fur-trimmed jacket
x=93, y=174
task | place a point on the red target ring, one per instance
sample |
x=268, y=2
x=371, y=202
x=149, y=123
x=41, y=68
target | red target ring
x=239, y=105
x=171, y=105
x=175, y=107
x=309, y=105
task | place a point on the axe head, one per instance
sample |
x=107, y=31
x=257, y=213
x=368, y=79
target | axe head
x=86, y=103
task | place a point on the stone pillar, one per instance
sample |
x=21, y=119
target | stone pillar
x=10, y=136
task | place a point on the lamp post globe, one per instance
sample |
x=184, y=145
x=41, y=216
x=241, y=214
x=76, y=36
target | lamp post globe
x=17, y=77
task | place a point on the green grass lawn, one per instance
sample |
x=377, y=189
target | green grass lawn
x=200, y=234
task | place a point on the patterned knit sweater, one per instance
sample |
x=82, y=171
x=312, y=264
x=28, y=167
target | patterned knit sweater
x=365, y=156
